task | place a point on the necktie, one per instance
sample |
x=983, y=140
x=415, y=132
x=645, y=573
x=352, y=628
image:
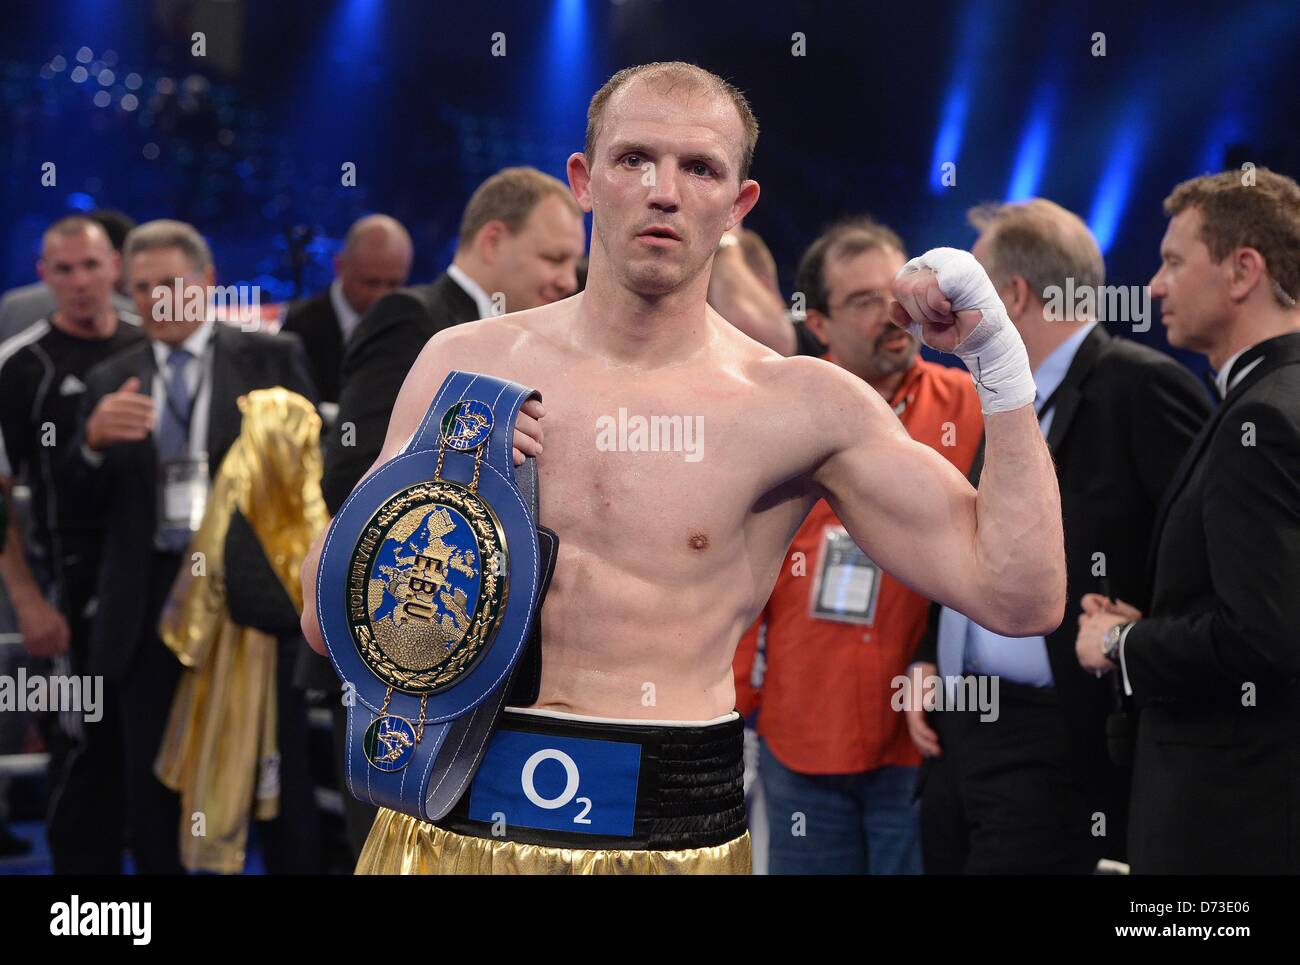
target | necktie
x=173, y=434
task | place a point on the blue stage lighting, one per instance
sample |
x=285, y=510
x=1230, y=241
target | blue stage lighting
x=1034, y=143
x=976, y=30
x=1228, y=129
x=948, y=144
x=1112, y=193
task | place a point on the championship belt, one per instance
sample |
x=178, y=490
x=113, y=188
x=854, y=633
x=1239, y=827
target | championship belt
x=429, y=584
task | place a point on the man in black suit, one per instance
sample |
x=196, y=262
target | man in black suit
x=156, y=421
x=1032, y=788
x=520, y=240
x=1215, y=668
x=375, y=261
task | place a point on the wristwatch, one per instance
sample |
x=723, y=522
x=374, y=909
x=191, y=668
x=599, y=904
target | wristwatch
x=1111, y=642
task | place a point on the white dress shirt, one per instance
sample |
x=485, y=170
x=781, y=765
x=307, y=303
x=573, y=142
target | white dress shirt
x=198, y=377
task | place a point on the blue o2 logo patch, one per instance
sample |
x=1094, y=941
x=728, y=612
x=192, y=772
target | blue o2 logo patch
x=557, y=783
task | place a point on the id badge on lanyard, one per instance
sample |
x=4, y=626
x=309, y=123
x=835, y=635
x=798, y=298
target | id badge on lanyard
x=847, y=584
x=182, y=494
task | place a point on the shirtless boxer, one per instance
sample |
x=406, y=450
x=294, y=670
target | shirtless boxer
x=664, y=561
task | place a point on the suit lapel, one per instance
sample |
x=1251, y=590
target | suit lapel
x=1066, y=398
x=226, y=388
x=459, y=302
x=145, y=368
x=328, y=327
x=1176, y=484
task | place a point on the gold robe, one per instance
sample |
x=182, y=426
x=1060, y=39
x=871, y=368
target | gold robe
x=219, y=750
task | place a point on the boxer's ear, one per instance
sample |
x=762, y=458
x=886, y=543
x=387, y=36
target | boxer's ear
x=744, y=203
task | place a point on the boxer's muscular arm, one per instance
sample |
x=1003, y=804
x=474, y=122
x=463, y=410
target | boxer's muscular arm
x=439, y=357
x=996, y=555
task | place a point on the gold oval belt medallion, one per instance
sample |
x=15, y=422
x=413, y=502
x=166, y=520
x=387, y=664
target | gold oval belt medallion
x=426, y=587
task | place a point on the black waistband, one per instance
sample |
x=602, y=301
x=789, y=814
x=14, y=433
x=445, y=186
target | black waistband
x=689, y=785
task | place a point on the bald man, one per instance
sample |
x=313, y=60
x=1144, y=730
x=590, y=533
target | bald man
x=375, y=260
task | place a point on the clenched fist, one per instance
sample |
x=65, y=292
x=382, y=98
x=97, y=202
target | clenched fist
x=921, y=301
x=946, y=299
x=122, y=416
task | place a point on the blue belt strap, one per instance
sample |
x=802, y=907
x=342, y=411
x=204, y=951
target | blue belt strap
x=458, y=717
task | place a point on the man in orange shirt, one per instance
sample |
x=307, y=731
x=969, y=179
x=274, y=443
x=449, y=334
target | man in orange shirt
x=837, y=767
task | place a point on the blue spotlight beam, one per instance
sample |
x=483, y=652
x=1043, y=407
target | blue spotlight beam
x=975, y=31
x=1112, y=195
x=1031, y=157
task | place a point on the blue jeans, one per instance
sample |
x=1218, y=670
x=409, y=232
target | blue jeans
x=846, y=824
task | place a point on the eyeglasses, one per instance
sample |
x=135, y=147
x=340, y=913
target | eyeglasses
x=861, y=304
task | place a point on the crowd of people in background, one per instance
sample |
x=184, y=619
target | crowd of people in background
x=1165, y=708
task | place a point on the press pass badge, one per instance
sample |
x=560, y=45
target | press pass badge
x=848, y=582
x=182, y=494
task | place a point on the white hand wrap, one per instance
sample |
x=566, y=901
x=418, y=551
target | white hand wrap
x=993, y=351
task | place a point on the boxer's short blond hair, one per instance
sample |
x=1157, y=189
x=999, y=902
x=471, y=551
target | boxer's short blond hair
x=666, y=76
x=1041, y=242
x=509, y=196
x=1264, y=215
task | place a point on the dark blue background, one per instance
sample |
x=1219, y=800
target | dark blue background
x=249, y=139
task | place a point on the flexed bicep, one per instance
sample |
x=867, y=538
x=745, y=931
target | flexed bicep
x=908, y=509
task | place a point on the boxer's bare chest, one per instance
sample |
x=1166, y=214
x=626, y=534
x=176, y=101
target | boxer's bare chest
x=659, y=484
x=654, y=473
